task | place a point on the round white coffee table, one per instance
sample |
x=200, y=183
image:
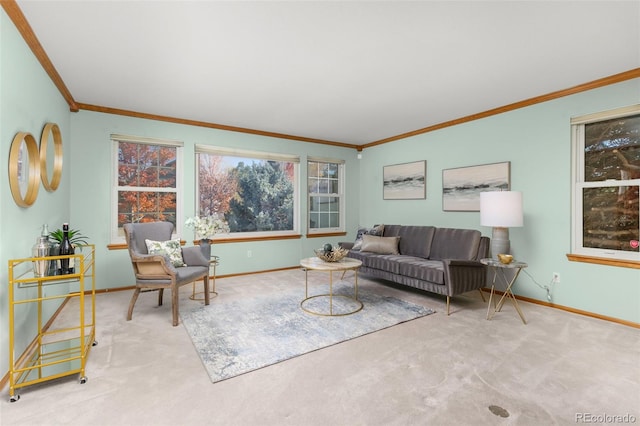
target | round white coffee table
x=316, y=264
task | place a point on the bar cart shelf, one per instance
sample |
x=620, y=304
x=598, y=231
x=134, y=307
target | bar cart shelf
x=61, y=345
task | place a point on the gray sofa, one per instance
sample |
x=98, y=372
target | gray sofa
x=445, y=261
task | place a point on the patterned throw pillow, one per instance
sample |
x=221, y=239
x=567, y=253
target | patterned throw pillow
x=377, y=231
x=170, y=248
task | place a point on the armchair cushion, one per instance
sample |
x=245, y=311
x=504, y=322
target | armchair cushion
x=193, y=256
x=171, y=248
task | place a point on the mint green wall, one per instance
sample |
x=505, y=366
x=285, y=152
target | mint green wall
x=537, y=142
x=28, y=100
x=535, y=139
x=91, y=191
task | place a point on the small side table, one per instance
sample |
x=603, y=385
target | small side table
x=316, y=264
x=213, y=262
x=496, y=265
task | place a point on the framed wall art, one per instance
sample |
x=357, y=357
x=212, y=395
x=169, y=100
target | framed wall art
x=461, y=187
x=407, y=181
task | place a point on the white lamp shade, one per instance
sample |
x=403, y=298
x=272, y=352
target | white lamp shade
x=501, y=209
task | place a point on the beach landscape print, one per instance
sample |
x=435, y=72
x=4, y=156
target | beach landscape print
x=405, y=181
x=461, y=187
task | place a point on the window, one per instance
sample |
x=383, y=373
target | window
x=256, y=192
x=325, y=184
x=606, y=182
x=147, y=182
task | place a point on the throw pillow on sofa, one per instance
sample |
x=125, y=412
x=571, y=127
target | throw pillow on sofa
x=377, y=230
x=170, y=248
x=380, y=245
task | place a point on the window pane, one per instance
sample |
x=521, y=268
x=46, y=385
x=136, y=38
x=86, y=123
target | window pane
x=254, y=195
x=324, y=211
x=610, y=218
x=332, y=171
x=314, y=220
x=612, y=149
x=137, y=206
x=314, y=185
x=313, y=169
x=146, y=165
x=334, y=220
x=334, y=186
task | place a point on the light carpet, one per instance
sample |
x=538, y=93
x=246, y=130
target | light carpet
x=234, y=337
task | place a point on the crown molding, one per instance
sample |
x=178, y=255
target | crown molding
x=616, y=78
x=117, y=111
x=15, y=14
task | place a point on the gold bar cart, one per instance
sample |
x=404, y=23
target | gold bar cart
x=61, y=344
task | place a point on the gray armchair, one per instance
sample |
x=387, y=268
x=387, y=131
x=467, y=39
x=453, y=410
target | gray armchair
x=155, y=271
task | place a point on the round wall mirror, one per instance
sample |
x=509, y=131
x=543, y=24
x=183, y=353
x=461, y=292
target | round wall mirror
x=24, y=169
x=51, y=152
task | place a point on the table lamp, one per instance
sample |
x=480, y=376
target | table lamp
x=501, y=210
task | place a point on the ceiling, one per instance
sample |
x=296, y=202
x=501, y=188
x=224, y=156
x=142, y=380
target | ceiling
x=352, y=72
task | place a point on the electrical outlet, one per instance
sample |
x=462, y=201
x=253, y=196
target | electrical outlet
x=556, y=278
x=249, y=254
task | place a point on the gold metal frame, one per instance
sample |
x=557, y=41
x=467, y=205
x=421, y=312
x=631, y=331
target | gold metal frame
x=214, y=262
x=56, y=351
x=331, y=267
x=33, y=178
x=516, y=267
x=52, y=185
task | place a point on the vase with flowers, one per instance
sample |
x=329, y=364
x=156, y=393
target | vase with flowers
x=207, y=227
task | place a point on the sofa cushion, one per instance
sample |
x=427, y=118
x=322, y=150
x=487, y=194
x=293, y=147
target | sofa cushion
x=383, y=262
x=414, y=240
x=449, y=243
x=377, y=230
x=422, y=269
x=381, y=245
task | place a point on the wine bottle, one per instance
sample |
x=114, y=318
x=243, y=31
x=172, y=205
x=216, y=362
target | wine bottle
x=66, y=249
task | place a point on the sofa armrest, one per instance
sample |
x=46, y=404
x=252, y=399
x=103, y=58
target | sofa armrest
x=461, y=276
x=346, y=245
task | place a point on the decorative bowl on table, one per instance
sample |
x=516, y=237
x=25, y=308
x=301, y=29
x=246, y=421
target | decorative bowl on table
x=505, y=258
x=333, y=255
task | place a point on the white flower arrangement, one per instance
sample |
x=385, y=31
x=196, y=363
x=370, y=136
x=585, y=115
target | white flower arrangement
x=208, y=226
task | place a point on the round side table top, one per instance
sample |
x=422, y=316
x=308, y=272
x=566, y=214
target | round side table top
x=320, y=265
x=497, y=264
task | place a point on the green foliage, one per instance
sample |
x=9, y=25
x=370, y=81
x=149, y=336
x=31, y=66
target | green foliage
x=265, y=198
x=75, y=237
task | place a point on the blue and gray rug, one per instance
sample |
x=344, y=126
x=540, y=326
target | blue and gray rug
x=234, y=337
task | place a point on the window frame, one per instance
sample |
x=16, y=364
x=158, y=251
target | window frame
x=258, y=155
x=578, y=184
x=340, y=195
x=117, y=237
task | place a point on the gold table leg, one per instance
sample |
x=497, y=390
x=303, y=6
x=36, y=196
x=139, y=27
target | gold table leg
x=330, y=295
x=212, y=279
x=508, y=294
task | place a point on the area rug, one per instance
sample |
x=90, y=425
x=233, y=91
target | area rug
x=234, y=337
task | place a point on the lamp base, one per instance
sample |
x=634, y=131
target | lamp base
x=500, y=243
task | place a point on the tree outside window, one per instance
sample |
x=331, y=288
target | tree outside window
x=607, y=187
x=255, y=195
x=147, y=186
